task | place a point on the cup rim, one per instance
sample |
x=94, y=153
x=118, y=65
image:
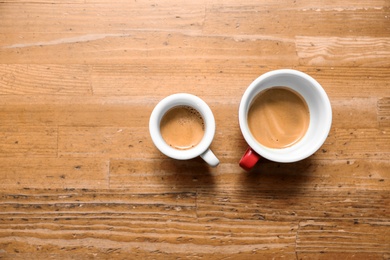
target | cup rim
x=174, y=100
x=288, y=154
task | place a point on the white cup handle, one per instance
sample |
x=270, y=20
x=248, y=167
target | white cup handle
x=210, y=158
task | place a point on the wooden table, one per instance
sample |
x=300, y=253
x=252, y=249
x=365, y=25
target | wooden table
x=81, y=178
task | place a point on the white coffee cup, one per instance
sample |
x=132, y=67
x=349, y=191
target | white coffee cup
x=203, y=148
x=320, y=117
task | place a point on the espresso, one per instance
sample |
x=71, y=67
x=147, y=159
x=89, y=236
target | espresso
x=182, y=127
x=278, y=117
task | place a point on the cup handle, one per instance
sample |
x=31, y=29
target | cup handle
x=210, y=158
x=249, y=159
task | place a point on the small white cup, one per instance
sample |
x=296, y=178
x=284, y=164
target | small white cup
x=320, y=117
x=202, y=149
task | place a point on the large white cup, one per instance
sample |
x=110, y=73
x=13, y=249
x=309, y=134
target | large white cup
x=203, y=148
x=320, y=117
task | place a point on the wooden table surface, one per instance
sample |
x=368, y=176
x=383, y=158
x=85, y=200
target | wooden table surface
x=81, y=178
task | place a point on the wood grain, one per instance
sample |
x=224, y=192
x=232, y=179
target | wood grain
x=30, y=141
x=336, y=236
x=328, y=50
x=384, y=112
x=288, y=22
x=25, y=79
x=49, y=173
x=81, y=178
x=100, y=16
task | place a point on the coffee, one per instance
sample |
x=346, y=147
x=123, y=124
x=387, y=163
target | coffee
x=278, y=117
x=182, y=127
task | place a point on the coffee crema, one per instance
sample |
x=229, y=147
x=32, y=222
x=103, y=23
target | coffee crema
x=182, y=127
x=278, y=117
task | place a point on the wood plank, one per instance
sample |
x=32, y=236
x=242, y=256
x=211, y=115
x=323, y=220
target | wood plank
x=154, y=78
x=150, y=78
x=104, y=142
x=65, y=205
x=19, y=111
x=363, y=143
x=153, y=244
x=25, y=79
x=316, y=175
x=384, y=112
x=337, y=238
x=348, y=210
x=233, y=76
x=272, y=5
x=330, y=51
x=350, y=82
x=31, y=141
x=289, y=20
x=53, y=173
x=101, y=17
x=130, y=47
x=160, y=223
x=260, y=205
x=304, y=178
x=71, y=110
x=354, y=112
x=102, y=220
x=160, y=175
x=355, y=143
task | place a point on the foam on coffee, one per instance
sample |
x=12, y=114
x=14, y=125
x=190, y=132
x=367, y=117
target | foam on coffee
x=182, y=127
x=278, y=117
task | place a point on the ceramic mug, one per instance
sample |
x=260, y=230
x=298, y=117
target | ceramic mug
x=202, y=149
x=318, y=127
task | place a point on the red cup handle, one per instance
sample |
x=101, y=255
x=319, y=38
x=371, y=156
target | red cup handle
x=249, y=159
